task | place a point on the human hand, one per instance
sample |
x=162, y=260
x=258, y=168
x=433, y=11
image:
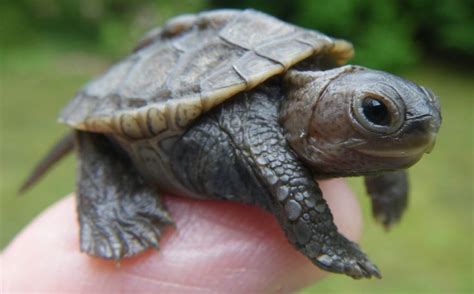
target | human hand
x=216, y=247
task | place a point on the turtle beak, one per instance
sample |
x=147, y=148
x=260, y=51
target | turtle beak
x=425, y=127
x=419, y=136
x=423, y=131
x=430, y=147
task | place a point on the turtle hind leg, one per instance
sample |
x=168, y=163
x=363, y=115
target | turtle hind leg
x=119, y=215
x=389, y=194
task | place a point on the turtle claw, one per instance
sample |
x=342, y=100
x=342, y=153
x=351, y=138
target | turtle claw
x=102, y=242
x=370, y=270
x=117, y=240
x=345, y=257
x=387, y=217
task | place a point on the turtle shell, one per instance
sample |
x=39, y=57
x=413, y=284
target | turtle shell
x=192, y=64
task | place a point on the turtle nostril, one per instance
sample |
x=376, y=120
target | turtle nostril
x=423, y=125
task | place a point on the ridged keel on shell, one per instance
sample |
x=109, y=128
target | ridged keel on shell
x=191, y=65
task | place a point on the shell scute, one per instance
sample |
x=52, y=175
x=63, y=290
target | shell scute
x=285, y=51
x=254, y=69
x=252, y=28
x=157, y=64
x=192, y=64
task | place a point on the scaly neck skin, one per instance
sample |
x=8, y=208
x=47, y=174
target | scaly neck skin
x=304, y=91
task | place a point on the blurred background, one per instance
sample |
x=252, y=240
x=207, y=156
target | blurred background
x=50, y=48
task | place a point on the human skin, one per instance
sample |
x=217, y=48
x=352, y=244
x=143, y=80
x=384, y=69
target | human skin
x=216, y=246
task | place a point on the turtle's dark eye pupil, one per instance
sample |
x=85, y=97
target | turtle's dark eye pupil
x=375, y=111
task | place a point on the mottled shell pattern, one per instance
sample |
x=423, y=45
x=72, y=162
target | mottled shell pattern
x=192, y=64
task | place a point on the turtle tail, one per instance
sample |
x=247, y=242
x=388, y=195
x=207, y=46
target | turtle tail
x=59, y=150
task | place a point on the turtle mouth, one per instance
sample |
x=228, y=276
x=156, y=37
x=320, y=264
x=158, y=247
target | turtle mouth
x=417, y=137
x=416, y=149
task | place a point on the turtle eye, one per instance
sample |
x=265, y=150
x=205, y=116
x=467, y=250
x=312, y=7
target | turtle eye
x=377, y=114
x=375, y=111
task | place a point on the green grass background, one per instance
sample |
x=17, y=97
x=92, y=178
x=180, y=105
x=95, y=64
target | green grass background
x=430, y=251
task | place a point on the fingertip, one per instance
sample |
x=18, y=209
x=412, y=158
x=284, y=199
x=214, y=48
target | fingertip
x=344, y=207
x=215, y=246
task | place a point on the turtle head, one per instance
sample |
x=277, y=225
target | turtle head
x=352, y=120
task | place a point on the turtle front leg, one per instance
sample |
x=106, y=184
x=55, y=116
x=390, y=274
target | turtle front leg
x=305, y=217
x=389, y=194
x=119, y=215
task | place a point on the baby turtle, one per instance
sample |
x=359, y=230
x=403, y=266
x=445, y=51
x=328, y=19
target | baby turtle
x=238, y=105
